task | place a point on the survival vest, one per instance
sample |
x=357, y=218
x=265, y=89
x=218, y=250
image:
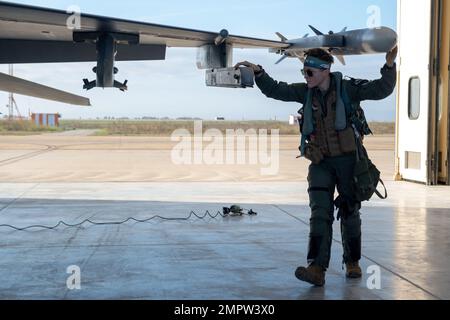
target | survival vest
x=365, y=176
x=347, y=113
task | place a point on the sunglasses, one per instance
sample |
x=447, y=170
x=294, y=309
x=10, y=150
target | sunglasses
x=307, y=72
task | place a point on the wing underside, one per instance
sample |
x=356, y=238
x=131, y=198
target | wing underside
x=31, y=34
x=43, y=51
x=20, y=22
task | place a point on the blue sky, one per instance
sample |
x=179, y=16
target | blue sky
x=175, y=87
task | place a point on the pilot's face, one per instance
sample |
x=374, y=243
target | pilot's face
x=314, y=77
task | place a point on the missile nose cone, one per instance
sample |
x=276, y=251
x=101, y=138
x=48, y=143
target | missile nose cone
x=380, y=39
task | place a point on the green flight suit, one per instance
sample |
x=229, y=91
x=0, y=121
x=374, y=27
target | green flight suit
x=332, y=172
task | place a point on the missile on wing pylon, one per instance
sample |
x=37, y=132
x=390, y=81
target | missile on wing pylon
x=352, y=42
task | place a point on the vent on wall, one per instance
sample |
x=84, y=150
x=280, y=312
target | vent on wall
x=412, y=160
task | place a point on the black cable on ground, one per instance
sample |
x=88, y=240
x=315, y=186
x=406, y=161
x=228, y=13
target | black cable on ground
x=191, y=214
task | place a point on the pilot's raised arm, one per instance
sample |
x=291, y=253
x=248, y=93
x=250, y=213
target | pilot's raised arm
x=359, y=90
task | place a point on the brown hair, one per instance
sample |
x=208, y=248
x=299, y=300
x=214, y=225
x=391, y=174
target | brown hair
x=320, y=54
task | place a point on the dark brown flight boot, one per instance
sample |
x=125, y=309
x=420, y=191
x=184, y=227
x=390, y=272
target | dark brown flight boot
x=353, y=270
x=312, y=274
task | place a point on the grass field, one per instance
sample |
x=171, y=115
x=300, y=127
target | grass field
x=23, y=127
x=161, y=127
x=166, y=127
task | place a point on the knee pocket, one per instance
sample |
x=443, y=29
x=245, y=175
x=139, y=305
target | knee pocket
x=353, y=219
x=320, y=198
x=321, y=221
x=320, y=228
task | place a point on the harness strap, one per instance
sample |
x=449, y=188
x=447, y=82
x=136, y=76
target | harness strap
x=321, y=189
x=385, y=191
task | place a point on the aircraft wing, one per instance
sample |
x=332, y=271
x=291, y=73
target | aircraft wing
x=31, y=34
x=20, y=86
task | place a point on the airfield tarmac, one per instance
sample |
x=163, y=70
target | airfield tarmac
x=74, y=156
x=72, y=176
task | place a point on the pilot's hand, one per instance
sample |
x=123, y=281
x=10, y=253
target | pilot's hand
x=391, y=56
x=256, y=69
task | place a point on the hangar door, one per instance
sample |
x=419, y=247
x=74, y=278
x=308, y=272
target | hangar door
x=442, y=92
x=413, y=100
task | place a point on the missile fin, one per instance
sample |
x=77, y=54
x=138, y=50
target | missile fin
x=317, y=32
x=283, y=38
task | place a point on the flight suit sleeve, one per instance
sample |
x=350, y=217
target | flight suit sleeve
x=281, y=90
x=360, y=90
